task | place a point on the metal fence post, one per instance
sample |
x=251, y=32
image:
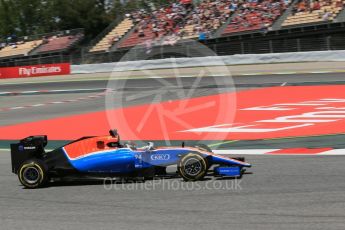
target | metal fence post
x=215, y=50
x=270, y=44
x=298, y=44
x=137, y=53
x=187, y=50
x=82, y=56
x=328, y=42
x=242, y=48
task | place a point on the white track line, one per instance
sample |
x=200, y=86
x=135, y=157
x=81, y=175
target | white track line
x=252, y=74
x=282, y=73
x=15, y=108
x=99, y=95
x=244, y=151
x=52, y=91
x=334, y=152
x=321, y=72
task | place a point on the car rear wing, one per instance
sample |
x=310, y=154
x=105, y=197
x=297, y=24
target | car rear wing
x=27, y=148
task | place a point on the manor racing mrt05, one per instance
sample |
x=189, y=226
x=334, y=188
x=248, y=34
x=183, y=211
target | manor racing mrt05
x=105, y=156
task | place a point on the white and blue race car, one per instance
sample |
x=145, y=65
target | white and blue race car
x=105, y=156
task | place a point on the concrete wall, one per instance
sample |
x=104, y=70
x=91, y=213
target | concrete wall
x=317, y=56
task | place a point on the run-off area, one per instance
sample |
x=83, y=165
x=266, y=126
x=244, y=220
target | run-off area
x=293, y=111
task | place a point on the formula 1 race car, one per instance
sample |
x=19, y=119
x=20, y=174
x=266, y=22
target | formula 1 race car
x=105, y=156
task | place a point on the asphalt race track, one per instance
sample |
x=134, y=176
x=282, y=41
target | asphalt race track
x=282, y=193
x=279, y=192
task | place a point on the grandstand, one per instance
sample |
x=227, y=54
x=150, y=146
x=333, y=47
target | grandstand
x=208, y=17
x=313, y=12
x=60, y=41
x=57, y=44
x=113, y=36
x=19, y=49
x=177, y=19
x=162, y=22
x=226, y=26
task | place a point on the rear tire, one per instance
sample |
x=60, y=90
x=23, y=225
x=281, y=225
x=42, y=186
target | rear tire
x=192, y=167
x=33, y=174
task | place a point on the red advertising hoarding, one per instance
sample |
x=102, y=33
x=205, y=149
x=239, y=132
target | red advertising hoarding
x=35, y=70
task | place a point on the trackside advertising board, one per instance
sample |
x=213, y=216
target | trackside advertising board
x=35, y=70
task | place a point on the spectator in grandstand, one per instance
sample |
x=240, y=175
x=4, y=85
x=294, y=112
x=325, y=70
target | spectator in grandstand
x=188, y=4
x=113, y=40
x=326, y=16
x=141, y=32
x=148, y=46
x=315, y=5
x=202, y=36
x=233, y=6
x=45, y=40
x=2, y=45
x=12, y=38
x=339, y=4
x=301, y=7
x=9, y=39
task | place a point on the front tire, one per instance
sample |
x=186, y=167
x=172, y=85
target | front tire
x=33, y=174
x=192, y=167
x=203, y=147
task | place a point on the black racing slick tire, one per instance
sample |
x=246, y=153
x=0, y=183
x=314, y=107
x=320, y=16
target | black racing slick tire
x=192, y=167
x=33, y=174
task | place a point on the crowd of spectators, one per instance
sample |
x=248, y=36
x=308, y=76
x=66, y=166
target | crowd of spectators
x=11, y=40
x=167, y=23
x=164, y=21
x=257, y=14
x=210, y=15
x=310, y=6
x=306, y=6
x=207, y=17
x=47, y=39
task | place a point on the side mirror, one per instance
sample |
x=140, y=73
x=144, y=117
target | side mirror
x=100, y=144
